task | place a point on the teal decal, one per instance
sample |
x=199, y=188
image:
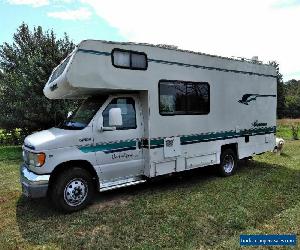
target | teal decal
x=247, y=98
x=120, y=146
x=111, y=147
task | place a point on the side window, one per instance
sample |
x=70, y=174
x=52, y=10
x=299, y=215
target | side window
x=138, y=61
x=197, y=98
x=172, y=98
x=183, y=98
x=127, y=107
x=121, y=58
x=128, y=59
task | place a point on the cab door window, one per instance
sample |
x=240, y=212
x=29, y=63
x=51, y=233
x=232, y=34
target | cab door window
x=127, y=106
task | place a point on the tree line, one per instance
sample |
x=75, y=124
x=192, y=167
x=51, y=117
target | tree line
x=291, y=95
x=288, y=96
x=25, y=66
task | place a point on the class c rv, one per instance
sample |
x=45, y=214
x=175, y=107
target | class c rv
x=147, y=111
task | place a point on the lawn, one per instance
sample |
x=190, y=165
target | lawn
x=194, y=210
x=284, y=128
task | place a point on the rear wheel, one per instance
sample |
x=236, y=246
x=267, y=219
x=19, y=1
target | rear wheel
x=72, y=190
x=228, y=162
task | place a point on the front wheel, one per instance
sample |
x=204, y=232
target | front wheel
x=228, y=162
x=72, y=190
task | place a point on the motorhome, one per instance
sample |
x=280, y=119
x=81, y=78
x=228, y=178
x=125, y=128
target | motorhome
x=147, y=111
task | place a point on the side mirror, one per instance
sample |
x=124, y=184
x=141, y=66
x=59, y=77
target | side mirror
x=115, y=117
x=99, y=124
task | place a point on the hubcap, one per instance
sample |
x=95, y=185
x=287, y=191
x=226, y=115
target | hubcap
x=228, y=163
x=75, y=192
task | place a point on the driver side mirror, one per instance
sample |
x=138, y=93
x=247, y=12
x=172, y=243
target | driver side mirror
x=114, y=120
x=115, y=117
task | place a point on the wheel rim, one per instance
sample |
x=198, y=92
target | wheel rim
x=228, y=164
x=75, y=192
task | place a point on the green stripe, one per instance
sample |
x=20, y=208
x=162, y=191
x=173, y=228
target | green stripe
x=103, y=53
x=109, y=146
x=186, y=139
x=157, y=142
x=225, y=135
x=208, y=68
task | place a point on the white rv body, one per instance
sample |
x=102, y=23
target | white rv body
x=241, y=114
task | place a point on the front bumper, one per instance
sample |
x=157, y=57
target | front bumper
x=33, y=185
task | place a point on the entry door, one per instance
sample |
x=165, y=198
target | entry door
x=119, y=152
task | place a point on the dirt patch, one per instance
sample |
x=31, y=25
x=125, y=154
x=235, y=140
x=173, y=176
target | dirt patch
x=108, y=201
x=287, y=122
x=3, y=199
x=101, y=230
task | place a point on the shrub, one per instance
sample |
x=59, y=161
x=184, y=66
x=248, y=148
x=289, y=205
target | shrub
x=295, y=130
x=11, y=137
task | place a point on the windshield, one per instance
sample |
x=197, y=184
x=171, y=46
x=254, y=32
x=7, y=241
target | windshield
x=84, y=114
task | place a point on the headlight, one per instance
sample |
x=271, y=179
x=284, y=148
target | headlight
x=34, y=159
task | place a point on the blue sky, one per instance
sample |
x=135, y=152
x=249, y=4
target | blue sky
x=12, y=15
x=241, y=28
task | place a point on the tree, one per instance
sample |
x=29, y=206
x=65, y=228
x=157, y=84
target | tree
x=280, y=91
x=292, y=99
x=25, y=66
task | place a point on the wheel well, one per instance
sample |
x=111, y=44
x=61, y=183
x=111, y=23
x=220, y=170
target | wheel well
x=70, y=164
x=233, y=146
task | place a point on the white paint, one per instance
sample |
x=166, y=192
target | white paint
x=172, y=147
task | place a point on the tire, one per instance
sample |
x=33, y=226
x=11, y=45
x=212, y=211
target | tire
x=228, y=163
x=72, y=190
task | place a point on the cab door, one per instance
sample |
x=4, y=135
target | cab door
x=119, y=153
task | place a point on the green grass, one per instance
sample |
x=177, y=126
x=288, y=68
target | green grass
x=284, y=128
x=284, y=132
x=194, y=210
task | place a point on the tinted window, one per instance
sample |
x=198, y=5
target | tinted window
x=138, y=61
x=178, y=97
x=127, y=110
x=172, y=97
x=122, y=58
x=197, y=99
x=128, y=59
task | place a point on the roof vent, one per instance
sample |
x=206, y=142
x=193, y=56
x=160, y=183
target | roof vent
x=167, y=46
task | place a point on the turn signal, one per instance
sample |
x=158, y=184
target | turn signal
x=41, y=157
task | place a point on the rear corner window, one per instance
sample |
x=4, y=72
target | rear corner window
x=60, y=69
